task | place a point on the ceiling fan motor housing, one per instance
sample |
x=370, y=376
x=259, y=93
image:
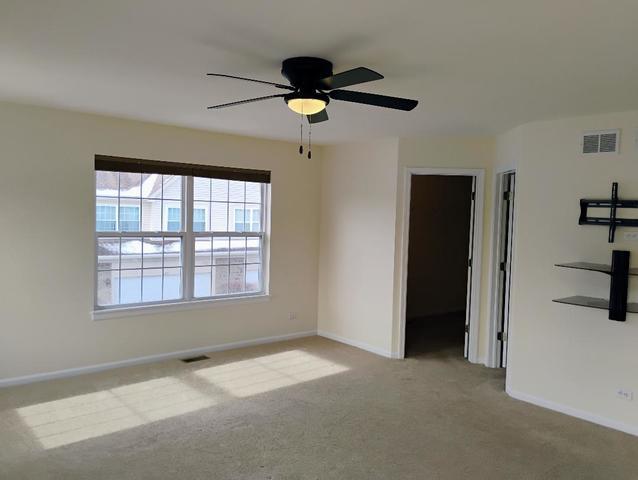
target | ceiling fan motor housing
x=303, y=73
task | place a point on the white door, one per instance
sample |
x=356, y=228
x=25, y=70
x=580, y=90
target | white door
x=470, y=261
x=505, y=265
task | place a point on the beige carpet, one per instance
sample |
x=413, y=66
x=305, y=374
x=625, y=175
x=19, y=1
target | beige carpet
x=306, y=409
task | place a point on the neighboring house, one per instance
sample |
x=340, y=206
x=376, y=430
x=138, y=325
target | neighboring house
x=149, y=267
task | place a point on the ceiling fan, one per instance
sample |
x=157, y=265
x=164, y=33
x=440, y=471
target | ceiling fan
x=313, y=85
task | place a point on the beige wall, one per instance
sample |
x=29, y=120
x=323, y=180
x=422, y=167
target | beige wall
x=568, y=357
x=361, y=232
x=357, y=243
x=440, y=213
x=46, y=213
x=446, y=152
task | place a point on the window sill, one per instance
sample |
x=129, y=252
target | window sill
x=176, y=306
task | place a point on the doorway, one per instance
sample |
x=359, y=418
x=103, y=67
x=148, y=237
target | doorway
x=441, y=274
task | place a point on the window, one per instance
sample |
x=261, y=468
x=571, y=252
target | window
x=147, y=254
x=228, y=256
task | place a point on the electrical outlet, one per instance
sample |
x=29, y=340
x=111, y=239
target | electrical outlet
x=631, y=236
x=625, y=394
x=292, y=316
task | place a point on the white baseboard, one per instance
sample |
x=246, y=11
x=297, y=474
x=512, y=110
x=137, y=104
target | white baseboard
x=355, y=343
x=37, y=377
x=574, y=412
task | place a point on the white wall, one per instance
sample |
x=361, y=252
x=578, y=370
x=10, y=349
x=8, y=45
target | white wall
x=46, y=245
x=358, y=198
x=566, y=357
x=446, y=152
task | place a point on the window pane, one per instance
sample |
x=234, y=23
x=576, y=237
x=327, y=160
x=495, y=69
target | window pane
x=237, y=279
x=172, y=252
x=203, y=251
x=253, y=218
x=106, y=184
x=253, y=192
x=129, y=216
x=220, y=190
x=236, y=220
x=172, y=187
x=131, y=253
x=151, y=185
x=253, y=278
x=238, y=250
x=173, y=217
x=220, y=280
x=130, y=286
x=219, y=217
x=201, y=189
x=108, y=288
x=202, y=282
x=221, y=250
x=236, y=191
x=172, y=283
x=199, y=219
x=253, y=250
x=152, y=252
x=131, y=185
x=152, y=285
x=151, y=215
x=108, y=253
x=105, y=217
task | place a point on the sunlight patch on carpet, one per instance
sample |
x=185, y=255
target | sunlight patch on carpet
x=263, y=374
x=81, y=417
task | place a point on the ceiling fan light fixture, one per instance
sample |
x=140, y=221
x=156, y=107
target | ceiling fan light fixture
x=306, y=103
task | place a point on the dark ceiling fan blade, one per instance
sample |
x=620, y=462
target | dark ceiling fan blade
x=322, y=116
x=374, y=99
x=250, y=100
x=278, y=85
x=348, y=78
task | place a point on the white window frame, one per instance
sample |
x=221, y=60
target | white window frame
x=188, y=236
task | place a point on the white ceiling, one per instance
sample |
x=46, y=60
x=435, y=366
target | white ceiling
x=475, y=66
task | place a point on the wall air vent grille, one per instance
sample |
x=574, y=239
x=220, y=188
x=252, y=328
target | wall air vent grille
x=605, y=141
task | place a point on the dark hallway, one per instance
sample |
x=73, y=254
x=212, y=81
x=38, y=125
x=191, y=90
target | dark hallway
x=437, y=335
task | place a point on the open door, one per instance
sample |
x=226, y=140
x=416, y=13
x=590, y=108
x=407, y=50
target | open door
x=506, y=231
x=441, y=262
x=468, y=305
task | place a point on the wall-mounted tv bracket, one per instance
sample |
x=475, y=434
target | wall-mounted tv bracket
x=612, y=204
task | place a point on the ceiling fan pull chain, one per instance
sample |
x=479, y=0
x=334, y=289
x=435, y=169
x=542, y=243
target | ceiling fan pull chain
x=301, y=135
x=310, y=142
